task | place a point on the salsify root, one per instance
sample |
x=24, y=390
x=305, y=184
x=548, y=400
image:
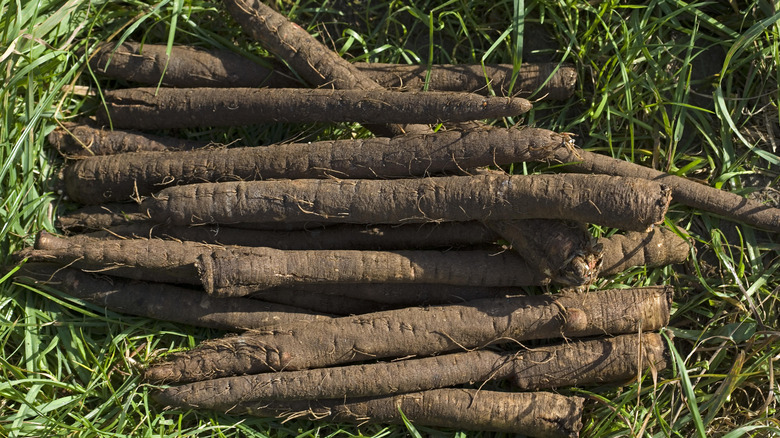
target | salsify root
x=190, y=67
x=186, y=67
x=339, y=305
x=445, y=235
x=546, y=81
x=574, y=258
x=131, y=220
x=536, y=414
x=561, y=250
x=575, y=363
x=420, y=331
x=98, y=217
x=128, y=176
x=138, y=259
x=693, y=194
x=74, y=140
x=310, y=59
x=164, y=301
x=659, y=247
x=239, y=271
x=401, y=294
x=625, y=203
x=165, y=108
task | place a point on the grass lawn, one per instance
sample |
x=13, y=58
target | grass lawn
x=688, y=88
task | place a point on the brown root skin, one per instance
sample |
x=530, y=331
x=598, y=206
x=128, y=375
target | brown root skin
x=129, y=220
x=563, y=251
x=624, y=203
x=308, y=57
x=405, y=295
x=536, y=414
x=174, y=108
x=138, y=259
x=659, y=247
x=315, y=63
x=685, y=191
x=321, y=303
x=421, y=332
x=446, y=235
x=98, y=217
x=575, y=363
x=375, y=379
x=163, y=301
x=128, y=176
x=75, y=140
x=591, y=362
x=532, y=79
x=191, y=67
x=240, y=271
x=186, y=67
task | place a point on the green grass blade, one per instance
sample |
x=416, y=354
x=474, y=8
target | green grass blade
x=408, y=424
x=687, y=387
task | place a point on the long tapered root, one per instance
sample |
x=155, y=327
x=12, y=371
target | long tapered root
x=128, y=176
x=405, y=294
x=98, y=217
x=420, y=331
x=625, y=203
x=690, y=193
x=165, y=108
x=189, y=67
x=590, y=362
x=445, y=235
x=537, y=414
x=74, y=140
x=186, y=67
x=157, y=300
x=239, y=272
x=139, y=259
x=309, y=58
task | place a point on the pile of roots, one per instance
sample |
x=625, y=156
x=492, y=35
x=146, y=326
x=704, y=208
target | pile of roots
x=367, y=279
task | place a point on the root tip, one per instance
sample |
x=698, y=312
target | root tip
x=160, y=374
x=166, y=397
x=205, y=267
x=45, y=240
x=576, y=320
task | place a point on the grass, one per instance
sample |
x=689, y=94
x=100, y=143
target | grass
x=689, y=88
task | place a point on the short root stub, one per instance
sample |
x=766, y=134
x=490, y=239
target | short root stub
x=660, y=247
x=576, y=319
x=205, y=268
x=46, y=240
x=590, y=362
x=563, y=251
